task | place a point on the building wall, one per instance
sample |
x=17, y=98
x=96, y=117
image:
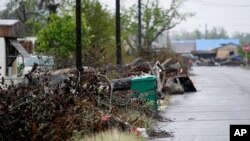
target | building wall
x=3, y=69
x=14, y=69
x=2, y=57
x=224, y=52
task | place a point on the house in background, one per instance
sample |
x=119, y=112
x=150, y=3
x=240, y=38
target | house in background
x=10, y=48
x=188, y=46
x=216, y=48
x=226, y=51
x=206, y=48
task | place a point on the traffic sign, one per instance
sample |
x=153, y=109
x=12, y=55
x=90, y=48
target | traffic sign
x=246, y=48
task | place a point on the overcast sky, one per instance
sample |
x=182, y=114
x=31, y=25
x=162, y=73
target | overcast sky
x=233, y=15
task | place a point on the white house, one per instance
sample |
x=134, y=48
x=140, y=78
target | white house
x=10, y=48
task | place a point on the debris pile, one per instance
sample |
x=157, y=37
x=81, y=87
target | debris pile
x=171, y=76
x=52, y=105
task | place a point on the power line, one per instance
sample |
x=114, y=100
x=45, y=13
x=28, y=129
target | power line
x=210, y=3
x=220, y=25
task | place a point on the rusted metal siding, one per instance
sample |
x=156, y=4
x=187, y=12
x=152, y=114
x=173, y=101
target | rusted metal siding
x=28, y=45
x=11, y=28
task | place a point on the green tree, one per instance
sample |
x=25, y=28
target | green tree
x=214, y=33
x=23, y=10
x=197, y=34
x=102, y=30
x=34, y=14
x=242, y=53
x=155, y=20
x=217, y=33
x=58, y=37
x=185, y=35
x=244, y=37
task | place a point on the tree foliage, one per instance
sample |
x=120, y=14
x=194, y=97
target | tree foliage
x=214, y=33
x=217, y=33
x=244, y=37
x=155, y=20
x=58, y=36
x=34, y=14
x=102, y=33
x=25, y=11
x=242, y=53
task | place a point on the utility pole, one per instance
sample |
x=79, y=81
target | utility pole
x=118, y=34
x=139, y=26
x=246, y=59
x=78, y=36
x=206, y=31
x=246, y=49
x=168, y=39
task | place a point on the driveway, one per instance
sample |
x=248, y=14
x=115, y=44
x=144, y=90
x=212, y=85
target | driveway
x=223, y=98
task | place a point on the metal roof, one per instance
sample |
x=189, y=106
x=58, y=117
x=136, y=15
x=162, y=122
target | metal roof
x=8, y=22
x=209, y=44
x=11, y=28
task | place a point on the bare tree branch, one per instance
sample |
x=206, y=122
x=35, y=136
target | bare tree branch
x=130, y=44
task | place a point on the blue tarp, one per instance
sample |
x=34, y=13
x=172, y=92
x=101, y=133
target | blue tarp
x=236, y=58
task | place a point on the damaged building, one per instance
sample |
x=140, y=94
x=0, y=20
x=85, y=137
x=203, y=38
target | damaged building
x=10, y=48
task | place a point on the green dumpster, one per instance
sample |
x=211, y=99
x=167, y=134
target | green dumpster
x=146, y=87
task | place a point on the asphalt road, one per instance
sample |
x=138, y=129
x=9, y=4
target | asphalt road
x=223, y=98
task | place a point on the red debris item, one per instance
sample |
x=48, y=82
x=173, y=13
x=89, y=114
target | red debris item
x=134, y=131
x=105, y=118
x=190, y=62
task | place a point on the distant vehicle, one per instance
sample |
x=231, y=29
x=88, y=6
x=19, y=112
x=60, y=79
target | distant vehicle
x=43, y=62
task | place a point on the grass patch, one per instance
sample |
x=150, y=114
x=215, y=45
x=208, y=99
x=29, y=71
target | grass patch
x=143, y=121
x=112, y=135
x=164, y=103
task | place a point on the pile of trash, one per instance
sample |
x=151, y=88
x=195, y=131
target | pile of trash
x=172, y=78
x=53, y=105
